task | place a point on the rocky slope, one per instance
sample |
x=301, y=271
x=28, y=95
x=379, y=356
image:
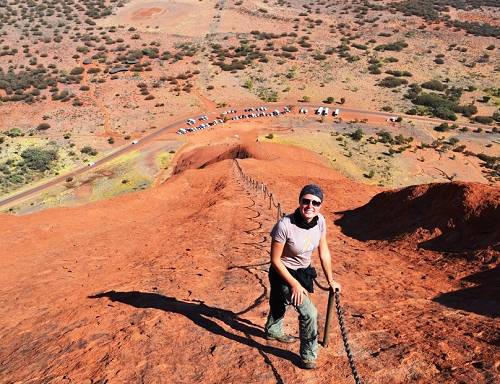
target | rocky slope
x=170, y=284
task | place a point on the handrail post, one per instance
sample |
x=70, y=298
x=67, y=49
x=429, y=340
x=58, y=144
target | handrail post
x=329, y=313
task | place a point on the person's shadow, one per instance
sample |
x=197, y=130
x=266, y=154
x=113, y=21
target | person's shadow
x=202, y=315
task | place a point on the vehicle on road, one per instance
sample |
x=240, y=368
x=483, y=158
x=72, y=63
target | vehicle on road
x=134, y=142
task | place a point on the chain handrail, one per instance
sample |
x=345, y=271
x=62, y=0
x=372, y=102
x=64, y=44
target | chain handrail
x=257, y=185
x=343, y=332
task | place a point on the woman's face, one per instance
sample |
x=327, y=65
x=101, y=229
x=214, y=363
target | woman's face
x=309, y=206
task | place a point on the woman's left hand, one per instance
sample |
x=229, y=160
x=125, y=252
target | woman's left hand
x=334, y=286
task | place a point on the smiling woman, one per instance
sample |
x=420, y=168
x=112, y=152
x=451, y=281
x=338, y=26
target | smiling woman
x=294, y=239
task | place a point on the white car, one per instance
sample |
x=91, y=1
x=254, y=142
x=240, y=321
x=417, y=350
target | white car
x=91, y=164
x=135, y=141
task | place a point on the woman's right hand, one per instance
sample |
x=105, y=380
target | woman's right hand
x=298, y=292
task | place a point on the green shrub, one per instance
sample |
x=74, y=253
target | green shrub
x=77, y=71
x=392, y=82
x=395, y=46
x=370, y=174
x=399, y=73
x=439, y=105
x=483, y=119
x=435, y=85
x=360, y=46
x=319, y=56
x=445, y=114
x=385, y=137
x=496, y=116
x=43, y=126
x=88, y=150
x=39, y=159
x=14, y=132
x=374, y=69
x=466, y=110
x=443, y=127
x=357, y=135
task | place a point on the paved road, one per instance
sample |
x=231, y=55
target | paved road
x=177, y=124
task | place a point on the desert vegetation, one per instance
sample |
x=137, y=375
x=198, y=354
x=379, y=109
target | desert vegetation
x=91, y=67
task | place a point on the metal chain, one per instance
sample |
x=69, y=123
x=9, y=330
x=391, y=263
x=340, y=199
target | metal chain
x=257, y=185
x=340, y=314
x=343, y=331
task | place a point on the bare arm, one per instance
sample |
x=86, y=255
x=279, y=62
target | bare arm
x=326, y=262
x=297, y=290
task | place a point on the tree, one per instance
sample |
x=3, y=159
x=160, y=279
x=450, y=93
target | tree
x=435, y=85
x=77, y=71
x=88, y=150
x=39, y=159
x=443, y=127
x=392, y=82
x=483, y=119
x=384, y=137
x=328, y=100
x=357, y=135
x=43, y=126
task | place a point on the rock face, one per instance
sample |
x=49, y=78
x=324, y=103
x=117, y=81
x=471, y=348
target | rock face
x=446, y=217
x=170, y=284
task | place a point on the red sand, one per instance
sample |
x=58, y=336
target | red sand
x=170, y=285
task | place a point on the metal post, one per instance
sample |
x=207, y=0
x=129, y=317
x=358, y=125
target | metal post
x=329, y=313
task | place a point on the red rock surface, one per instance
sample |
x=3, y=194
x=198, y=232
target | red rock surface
x=169, y=284
x=454, y=217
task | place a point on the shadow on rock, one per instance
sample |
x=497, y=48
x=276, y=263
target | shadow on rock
x=482, y=299
x=443, y=217
x=202, y=315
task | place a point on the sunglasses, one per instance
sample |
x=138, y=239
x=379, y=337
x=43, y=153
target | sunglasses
x=315, y=203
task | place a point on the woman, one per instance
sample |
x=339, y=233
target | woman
x=294, y=238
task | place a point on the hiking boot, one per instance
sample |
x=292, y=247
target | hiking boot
x=282, y=338
x=308, y=364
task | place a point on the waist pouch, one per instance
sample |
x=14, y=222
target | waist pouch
x=304, y=276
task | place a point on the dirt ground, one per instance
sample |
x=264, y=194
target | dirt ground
x=167, y=282
x=172, y=282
